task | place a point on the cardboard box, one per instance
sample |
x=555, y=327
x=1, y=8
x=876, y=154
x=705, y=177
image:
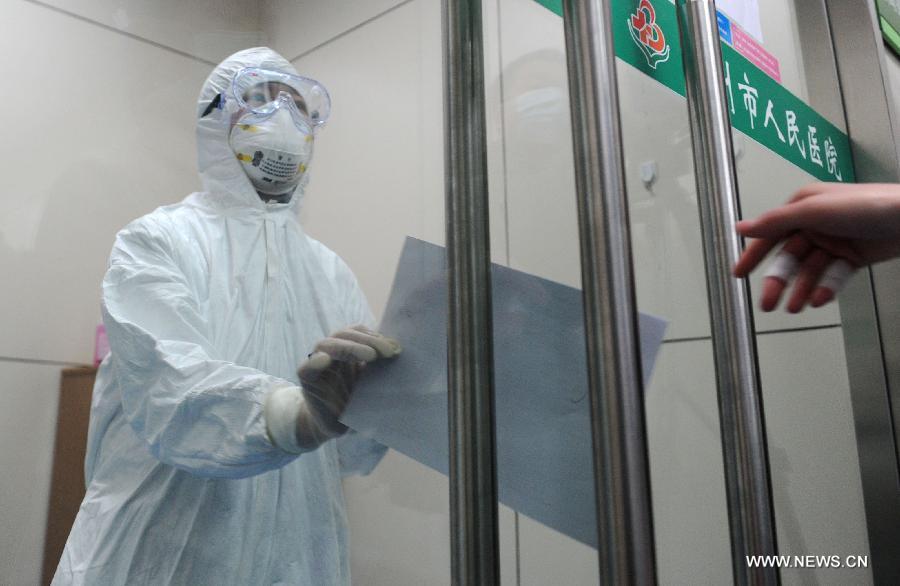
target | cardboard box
x=67, y=481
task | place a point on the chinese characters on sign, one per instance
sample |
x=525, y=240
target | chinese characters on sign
x=759, y=105
x=787, y=126
x=646, y=37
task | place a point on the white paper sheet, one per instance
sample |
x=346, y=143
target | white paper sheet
x=544, y=462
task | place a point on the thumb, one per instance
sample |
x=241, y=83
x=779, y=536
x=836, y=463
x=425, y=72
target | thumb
x=314, y=366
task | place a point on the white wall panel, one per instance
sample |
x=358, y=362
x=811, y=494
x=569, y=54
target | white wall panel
x=30, y=394
x=107, y=137
x=208, y=29
x=377, y=175
x=294, y=27
x=549, y=557
x=494, y=124
x=812, y=452
x=400, y=526
x=686, y=470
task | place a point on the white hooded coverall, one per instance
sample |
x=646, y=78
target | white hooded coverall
x=210, y=304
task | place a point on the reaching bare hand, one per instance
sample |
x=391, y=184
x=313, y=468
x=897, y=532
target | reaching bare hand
x=827, y=230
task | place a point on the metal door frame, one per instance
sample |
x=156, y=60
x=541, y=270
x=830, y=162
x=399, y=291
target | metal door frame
x=870, y=307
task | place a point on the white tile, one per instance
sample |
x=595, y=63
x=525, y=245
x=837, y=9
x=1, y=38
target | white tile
x=812, y=452
x=686, y=471
x=549, y=557
x=207, y=29
x=509, y=546
x=94, y=149
x=30, y=393
x=294, y=27
x=377, y=175
x=400, y=526
x=494, y=123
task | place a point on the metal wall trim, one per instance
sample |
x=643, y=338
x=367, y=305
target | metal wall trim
x=870, y=306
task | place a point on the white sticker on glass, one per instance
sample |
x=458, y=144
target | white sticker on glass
x=745, y=13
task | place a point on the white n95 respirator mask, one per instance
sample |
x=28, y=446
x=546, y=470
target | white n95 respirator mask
x=274, y=152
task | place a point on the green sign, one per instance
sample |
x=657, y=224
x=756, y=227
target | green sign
x=646, y=37
x=889, y=17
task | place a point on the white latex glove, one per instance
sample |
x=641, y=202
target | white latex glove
x=300, y=420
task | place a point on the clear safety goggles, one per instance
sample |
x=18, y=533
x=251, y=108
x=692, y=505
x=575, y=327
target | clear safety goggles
x=262, y=92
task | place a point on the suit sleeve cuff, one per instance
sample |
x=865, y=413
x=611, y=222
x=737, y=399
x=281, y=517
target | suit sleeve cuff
x=282, y=408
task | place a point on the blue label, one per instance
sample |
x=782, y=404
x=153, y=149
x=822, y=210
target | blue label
x=724, y=27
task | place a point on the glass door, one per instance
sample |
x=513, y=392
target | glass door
x=785, y=106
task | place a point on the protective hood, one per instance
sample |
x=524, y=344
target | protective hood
x=220, y=172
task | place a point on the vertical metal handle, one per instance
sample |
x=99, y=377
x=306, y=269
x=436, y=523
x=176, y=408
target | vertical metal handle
x=473, y=477
x=740, y=400
x=624, y=518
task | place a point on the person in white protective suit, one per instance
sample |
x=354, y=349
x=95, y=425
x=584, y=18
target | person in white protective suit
x=210, y=458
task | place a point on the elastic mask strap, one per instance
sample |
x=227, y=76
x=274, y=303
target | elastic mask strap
x=212, y=105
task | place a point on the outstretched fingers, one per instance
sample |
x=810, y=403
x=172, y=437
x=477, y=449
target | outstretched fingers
x=783, y=270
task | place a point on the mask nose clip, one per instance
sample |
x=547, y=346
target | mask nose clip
x=283, y=99
x=301, y=119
